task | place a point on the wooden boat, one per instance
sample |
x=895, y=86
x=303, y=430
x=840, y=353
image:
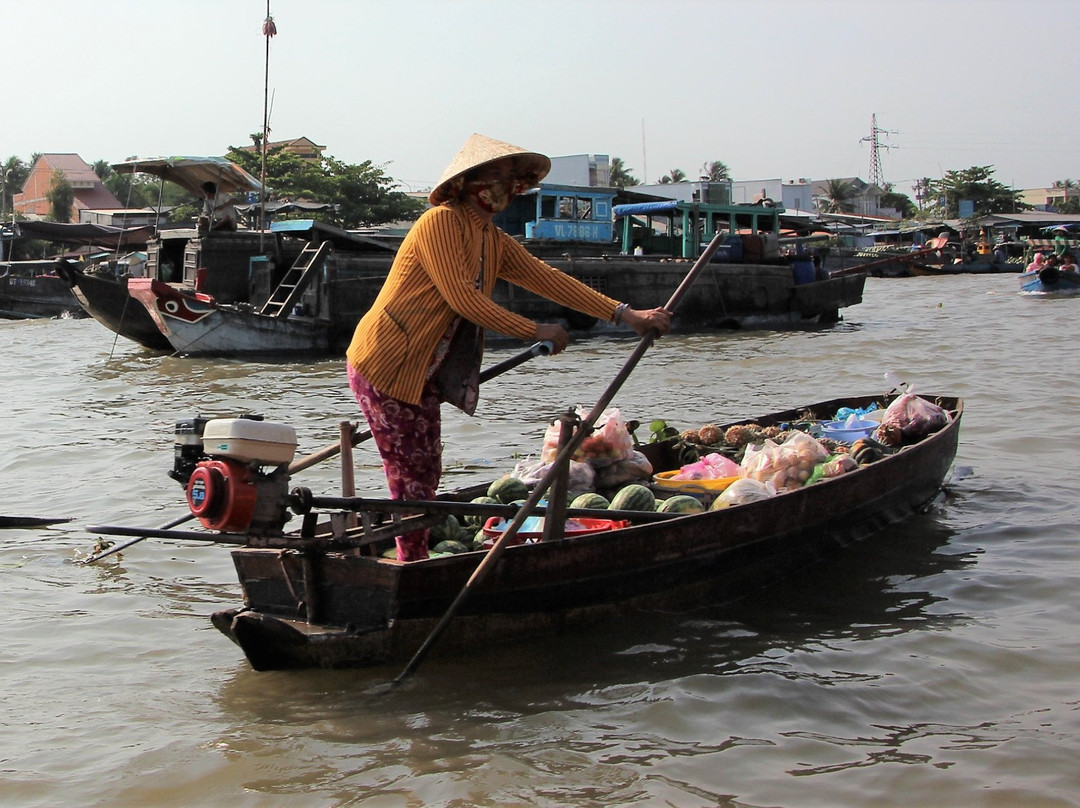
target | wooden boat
x=240, y=274
x=44, y=288
x=32, y=290
x=1050, y=280
x=324, y=597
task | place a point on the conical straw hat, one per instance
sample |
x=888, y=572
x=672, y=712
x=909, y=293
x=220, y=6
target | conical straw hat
x=480, y=150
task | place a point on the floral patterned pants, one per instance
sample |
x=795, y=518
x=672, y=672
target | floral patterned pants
x=409, y=439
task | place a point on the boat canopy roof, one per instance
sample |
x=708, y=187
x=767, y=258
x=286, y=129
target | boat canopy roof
x=102, y=235
x=321, y=231
x=645, y=208
x=191, y=172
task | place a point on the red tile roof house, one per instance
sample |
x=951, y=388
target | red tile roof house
x=90, y=194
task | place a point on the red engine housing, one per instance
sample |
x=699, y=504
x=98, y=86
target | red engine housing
x=222, y=493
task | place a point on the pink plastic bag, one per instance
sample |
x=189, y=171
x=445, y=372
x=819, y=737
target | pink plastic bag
x=711, y=467
x=915, y=417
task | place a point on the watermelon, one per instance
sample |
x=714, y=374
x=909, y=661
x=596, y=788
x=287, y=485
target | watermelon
x=449, y=530
x=476, y=520
x=450, y=546
x=508, y=488
x=590, y=501
x=681, y=503
x=633, y=497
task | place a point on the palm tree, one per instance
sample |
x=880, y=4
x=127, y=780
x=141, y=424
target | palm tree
x=675, y=175
x=1069, y=197
x=619, y=174
x=839, y=195
x=716, y=171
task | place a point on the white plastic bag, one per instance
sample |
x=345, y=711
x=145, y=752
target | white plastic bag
x=788, y=465
x=743, y=491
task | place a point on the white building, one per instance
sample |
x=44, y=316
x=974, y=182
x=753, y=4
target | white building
x=582, y=170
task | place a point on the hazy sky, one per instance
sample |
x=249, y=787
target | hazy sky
x=773, y=88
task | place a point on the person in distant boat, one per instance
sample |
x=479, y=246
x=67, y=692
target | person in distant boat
x=1061, y=241
x=421, y=341
x=219, y=209
x=1001, y=253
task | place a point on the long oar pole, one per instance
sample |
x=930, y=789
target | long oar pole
x=542, y=348
x=564, y=454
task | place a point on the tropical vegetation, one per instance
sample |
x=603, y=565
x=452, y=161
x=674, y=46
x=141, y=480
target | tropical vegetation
x=619, y=174
x=975, y=185
x=362, y=195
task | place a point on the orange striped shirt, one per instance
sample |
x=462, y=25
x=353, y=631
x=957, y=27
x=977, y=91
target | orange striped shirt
x=433, y=279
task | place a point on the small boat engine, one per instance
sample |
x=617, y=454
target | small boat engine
x=235, y=472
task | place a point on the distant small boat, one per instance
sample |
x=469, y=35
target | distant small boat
x=1050, y=280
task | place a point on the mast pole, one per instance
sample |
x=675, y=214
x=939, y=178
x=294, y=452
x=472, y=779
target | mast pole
x=269, y=29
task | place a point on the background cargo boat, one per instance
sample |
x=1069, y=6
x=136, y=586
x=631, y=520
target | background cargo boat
x=51, y=293
x=239, y=274
x=319, y=599
x=638, y=252
x=32, y=289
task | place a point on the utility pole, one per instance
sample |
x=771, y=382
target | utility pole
x=875, y=147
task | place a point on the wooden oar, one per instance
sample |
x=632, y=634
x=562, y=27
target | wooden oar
x=31, y=521
x=542, y=348
x=562, y=457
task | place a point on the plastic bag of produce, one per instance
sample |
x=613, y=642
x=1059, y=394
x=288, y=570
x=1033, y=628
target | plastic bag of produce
x=621, y=472
x=743, y=491
x=530, y=471
x=833, y=467
x=788, y=465
x=610, y=441
x=914, y=417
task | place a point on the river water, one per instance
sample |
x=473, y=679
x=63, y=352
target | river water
x=935, y=664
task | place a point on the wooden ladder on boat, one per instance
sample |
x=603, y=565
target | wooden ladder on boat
x=296, y=280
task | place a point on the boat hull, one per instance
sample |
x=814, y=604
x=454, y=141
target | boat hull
x=195, y=325
x=106, y=299
x=726, y=295
x=340, y=609
x=29, y=290
x=1050, y=281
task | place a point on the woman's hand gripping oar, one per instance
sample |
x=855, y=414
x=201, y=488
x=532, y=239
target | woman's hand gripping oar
x=561, y=458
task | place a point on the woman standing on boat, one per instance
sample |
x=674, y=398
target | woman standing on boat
x=420, y=342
